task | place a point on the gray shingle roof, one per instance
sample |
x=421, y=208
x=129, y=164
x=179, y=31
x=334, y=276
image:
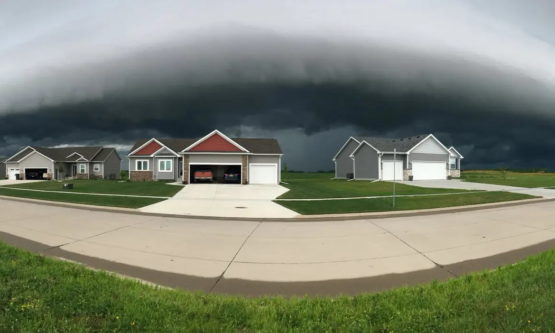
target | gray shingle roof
x=254, y=145
x=21, y=155
x=103, y=154
x=388, y=144
x=98, y=154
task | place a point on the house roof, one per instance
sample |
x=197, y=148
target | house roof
x=452, y=150
x=97, y=154
x=402, y=145
x=253, y=145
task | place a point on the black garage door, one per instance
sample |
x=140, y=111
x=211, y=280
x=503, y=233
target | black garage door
x=34, y=174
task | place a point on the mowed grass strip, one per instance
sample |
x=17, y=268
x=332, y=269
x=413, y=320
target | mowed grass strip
x=518, y=179
x=401, y=203
x=124, y=202
x=159, y=189
x=306, y=185
x=47, y=295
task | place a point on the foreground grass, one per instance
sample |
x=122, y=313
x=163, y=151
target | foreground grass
x=403, y=203
x=107, y=187
x=519, y=179
x=126, y=202
x=321, y=185
x=42, y=294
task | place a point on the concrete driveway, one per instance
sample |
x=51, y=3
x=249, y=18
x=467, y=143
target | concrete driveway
x=5, y=182
x=283, y=257
x=458, y=184
x=225, y=200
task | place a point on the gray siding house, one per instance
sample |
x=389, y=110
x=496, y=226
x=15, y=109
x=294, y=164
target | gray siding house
x=420, y=157
x=455, y=163
x=63, y=163
x=255, y=160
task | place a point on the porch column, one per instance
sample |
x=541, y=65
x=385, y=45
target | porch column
x=245, y=170
x=186, y=169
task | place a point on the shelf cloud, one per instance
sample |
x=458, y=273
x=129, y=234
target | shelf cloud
x=481, y=77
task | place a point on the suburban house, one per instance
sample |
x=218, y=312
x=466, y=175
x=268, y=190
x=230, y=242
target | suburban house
x=61, y=163
x=420, y=157
x=455, y=163
x=252, y=161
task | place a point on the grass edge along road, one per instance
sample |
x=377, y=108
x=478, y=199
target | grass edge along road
x=44, y=294
x=95, y=200
x=401, y=203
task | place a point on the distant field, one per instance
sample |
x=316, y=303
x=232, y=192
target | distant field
x=510, y=178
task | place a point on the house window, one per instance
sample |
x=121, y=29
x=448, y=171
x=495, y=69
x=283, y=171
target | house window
x=165, y=165
x=142, y=165
x=82, y=168
x=96, y=167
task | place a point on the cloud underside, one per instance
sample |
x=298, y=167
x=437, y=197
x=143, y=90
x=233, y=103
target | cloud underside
x=295, y=89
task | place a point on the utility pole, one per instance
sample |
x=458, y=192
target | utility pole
x=394, y=173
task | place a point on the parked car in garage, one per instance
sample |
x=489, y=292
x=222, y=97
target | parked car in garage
x=203, y=176
x=232, y=176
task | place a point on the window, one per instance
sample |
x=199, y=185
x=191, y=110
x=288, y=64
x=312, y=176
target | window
x=96, y=167
x=142, y=165
x=82, y=168
x=165, y=165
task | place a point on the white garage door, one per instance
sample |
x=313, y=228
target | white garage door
x=429, y=170
x=389, y=168
x=263, y=173
x=12, y=173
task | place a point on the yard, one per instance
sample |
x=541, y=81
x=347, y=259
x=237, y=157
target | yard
x=311, y=185
x=321, y=185
x=510, y=178
x=43, y=294
x=107, y=187
x=118, y=193
x=401, y=203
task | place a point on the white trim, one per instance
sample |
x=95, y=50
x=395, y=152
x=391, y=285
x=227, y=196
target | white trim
x=279, y=170
x=199, y=141
x=426, y=138
x=79, y=168
x=360, y=145
x=143, y=160
x=147, y=143
x=380, y=171
x=457, y=152
x=238, y=153
x=165, y=160
x=35, y=151
x=83, y=157
x=214, y=163
x=343, y=147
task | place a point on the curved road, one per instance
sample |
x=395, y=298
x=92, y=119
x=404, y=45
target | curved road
x=257, y=257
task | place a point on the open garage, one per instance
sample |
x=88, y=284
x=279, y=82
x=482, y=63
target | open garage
x=35, y=173
x=206, y=173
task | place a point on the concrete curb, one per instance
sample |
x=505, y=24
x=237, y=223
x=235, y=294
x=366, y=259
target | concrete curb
x=300, y=218
x=251, y=288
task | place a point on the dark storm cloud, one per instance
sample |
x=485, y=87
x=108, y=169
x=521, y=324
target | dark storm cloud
x=311, y=92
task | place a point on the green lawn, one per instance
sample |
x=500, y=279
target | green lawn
x=39, y=294
x=519, y=179
x=403, y=203
x=309, y=185
x=127, y=202
x=108, y=187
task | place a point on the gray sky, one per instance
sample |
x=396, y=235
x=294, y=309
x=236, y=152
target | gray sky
x=479, y=75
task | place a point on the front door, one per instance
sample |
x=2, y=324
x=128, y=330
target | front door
x=73, y=170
